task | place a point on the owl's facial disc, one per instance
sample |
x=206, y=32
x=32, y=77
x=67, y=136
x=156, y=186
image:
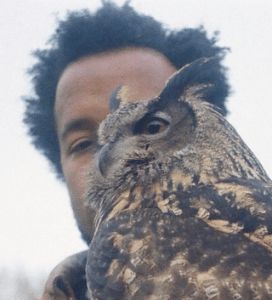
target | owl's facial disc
x=133, y=147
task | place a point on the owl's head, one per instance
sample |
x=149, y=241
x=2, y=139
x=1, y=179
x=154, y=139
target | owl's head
x=143, y=142
x=136, y=134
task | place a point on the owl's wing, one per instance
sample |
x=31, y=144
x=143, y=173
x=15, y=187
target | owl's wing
x=240, y=205
x=233, y=205
x=148, y=254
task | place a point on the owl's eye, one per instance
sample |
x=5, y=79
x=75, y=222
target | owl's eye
x=155, y=126
x=151, y=126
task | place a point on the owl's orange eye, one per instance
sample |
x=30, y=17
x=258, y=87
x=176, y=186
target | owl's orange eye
x=155, y=126
x=151, y=126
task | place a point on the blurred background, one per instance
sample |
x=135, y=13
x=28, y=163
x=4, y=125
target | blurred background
x=37, y=229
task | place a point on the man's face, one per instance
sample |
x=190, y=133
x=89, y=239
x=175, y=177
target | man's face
x=82, y=103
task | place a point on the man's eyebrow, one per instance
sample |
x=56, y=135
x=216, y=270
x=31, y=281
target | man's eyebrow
x=76, y=125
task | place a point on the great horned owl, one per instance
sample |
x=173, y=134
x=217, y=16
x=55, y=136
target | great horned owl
x=183, y=207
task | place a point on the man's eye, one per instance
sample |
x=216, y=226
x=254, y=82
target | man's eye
x=80, y=146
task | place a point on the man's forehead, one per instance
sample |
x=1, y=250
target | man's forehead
x=132, y=66
x=89, y=82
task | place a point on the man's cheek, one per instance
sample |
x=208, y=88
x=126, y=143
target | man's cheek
x=75, y=170
x=77, y=182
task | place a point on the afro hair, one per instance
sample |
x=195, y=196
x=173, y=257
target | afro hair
x=82, y=33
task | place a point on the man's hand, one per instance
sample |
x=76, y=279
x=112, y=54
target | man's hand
x=67, y=281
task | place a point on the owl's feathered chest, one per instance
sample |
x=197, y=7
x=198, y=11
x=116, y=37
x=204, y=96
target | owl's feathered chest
x=175, y=236
x=148, y=253
x=233, y=205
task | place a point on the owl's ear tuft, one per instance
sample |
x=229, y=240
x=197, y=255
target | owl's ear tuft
x=119, y=95
x=199, y=72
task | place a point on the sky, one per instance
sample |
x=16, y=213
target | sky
x=37, y=228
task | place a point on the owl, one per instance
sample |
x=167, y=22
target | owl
x=183, y=207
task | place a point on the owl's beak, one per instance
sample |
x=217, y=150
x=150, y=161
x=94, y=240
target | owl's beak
x=103, y=159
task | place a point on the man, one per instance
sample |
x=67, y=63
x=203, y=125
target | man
x=91, y=55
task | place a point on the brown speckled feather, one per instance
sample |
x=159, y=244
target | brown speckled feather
x=183, y=207
x=153, y=255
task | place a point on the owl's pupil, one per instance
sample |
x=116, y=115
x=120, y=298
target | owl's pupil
x=153, y=128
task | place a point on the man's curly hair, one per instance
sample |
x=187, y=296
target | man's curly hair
x=111, y=27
